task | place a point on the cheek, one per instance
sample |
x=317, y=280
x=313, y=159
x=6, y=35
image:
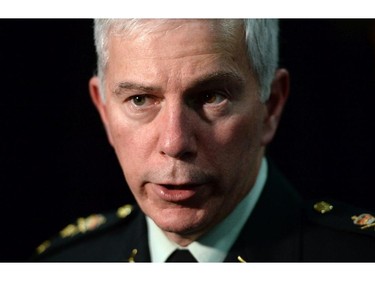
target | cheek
x=128, y=143
x=126, y=135
x=235, y=150
x=239, y=133
x=238, y=153
x=129, y=151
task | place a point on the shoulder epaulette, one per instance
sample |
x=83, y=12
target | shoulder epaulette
x=84, y=227
x=342, y=216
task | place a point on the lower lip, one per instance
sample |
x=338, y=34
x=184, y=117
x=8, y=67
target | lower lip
x=176, y=194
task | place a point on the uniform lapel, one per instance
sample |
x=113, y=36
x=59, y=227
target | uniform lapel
x=273, y=231
x=135, y=240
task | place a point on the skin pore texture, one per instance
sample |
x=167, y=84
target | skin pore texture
x=183, y=114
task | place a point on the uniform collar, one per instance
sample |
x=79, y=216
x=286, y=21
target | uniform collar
x=215, y=245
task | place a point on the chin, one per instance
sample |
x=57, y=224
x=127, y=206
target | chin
x=181, y=221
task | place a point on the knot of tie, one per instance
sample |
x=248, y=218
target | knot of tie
x=181, y=256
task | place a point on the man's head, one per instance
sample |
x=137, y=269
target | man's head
x=189, y=113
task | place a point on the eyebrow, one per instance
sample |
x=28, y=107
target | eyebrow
x=133, y=86
x=201, y=82
x=217, y=77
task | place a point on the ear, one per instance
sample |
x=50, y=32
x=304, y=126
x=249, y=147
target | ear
x=275, y=104
x=96, y=97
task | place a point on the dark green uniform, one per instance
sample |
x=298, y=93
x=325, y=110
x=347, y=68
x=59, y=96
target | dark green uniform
x=281, y=228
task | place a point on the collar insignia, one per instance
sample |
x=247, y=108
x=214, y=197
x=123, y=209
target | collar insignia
x=364, y=221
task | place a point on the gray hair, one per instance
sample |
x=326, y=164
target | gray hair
x=261, y=40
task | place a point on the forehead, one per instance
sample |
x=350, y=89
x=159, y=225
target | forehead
x=173, y=54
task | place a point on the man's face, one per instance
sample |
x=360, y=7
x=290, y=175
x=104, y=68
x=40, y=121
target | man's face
x=183, y=114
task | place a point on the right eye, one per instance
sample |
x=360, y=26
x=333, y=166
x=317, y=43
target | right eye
x=140, y=100
x=141, y=106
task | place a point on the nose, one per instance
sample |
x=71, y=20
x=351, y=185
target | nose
x=177, y=132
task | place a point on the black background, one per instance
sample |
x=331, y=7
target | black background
x=56, y=164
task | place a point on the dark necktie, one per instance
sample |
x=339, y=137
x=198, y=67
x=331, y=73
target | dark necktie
x=181, y=256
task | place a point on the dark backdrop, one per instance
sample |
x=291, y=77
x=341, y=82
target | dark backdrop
x=56, y=164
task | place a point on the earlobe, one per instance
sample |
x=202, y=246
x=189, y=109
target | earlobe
x=275, y=104
x=97, y=99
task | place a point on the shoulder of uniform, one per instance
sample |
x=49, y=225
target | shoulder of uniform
x=342, y=216
x=85, y=227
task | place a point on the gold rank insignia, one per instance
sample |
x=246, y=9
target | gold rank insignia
x=44, y=246
x=124, y=211
x=364, y=220
x=83, y=225
x=323, y=207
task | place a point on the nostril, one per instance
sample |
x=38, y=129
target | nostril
x=180, y=155
x=179, y=145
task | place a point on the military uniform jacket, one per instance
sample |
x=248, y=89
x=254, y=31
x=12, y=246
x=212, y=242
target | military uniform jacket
x=281, y=228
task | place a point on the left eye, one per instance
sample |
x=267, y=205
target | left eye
x=213, y=98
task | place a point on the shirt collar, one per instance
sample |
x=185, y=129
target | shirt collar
x=215, y=245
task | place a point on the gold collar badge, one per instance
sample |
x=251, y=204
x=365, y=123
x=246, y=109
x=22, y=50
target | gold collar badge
x=364, y=220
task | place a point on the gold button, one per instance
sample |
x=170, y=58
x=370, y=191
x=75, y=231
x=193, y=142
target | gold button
x=323, y=207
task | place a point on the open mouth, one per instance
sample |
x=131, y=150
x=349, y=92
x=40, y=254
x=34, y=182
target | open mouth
x=181, y=186
x=177, y=193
